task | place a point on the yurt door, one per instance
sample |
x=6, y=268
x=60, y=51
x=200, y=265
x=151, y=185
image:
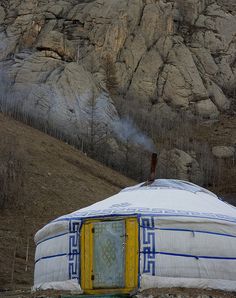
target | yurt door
x=109, y=255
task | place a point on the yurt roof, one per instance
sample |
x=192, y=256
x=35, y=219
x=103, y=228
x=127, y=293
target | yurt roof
x=162, y=197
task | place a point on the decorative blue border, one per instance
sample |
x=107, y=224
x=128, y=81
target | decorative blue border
x=148, y=225
x=189, y=256
x=50, y=238
x=148, y=245
x=74, y=252
x=139, y=249
x=53, y=256
x=193, y=231
x=147, y=212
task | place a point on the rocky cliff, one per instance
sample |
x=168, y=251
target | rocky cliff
x=68, y=61
x=177, y=53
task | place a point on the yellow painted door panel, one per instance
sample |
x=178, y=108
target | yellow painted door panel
x=131, y=270
x=86, y=256
x=129, y=245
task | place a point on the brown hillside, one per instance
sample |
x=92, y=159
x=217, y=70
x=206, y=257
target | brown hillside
x=57, y=179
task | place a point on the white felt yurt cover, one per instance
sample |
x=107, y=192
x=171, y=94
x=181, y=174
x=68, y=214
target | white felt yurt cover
x=187, y=238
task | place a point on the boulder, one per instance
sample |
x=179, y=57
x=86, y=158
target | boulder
x=229, y=5
x=143, y=84
x=189, y=10
x=35, y=68
x=206, y=109
x=216, y=34
x=115, y=37
x=8, y=46
x=135, y=48
x=223, y=151
x=172, y=87
x=217, y=96
x=154, y=21
x=180, y=82
x=177, y=164
x=59, y=93
x=56, y=42
x=205, y=61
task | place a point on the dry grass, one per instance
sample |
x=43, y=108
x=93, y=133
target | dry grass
x=186, y=293
x=58, y=179
x=222, y=132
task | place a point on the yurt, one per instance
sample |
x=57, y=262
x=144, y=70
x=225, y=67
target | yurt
x=160, y=233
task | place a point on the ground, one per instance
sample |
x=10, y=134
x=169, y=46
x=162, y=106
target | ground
x=58, y=179
x=152, y=293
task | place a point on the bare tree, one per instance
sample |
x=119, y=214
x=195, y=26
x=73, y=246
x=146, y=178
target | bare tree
x=97, y=130
x=11, y=175
x=110, y=74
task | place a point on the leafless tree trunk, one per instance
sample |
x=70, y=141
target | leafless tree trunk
x=11, y=174
x=110, y=75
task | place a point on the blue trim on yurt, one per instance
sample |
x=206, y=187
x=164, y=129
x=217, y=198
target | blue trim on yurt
x=94, y=216
x=74, y=249
x=190, y=256
x=139, y=256
x=79, y=271
x=215, y=217
x=148, y=244
x=167, y=213
x=49, y=238
x=53, y=256
x=192, y=231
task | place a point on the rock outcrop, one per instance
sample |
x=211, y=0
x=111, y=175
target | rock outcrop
x=177, y=164
x=176, y=55
x=178, y=52
x=223, y=151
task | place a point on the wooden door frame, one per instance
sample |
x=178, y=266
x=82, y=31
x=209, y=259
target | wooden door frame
x=131, y=256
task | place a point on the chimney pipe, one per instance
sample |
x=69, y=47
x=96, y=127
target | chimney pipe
x=153, y=168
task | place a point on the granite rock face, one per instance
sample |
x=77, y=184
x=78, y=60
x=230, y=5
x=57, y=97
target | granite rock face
x=179, y=53
x=176, y=54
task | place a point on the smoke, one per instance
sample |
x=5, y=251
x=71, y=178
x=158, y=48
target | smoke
x=127, y=132
x=29, y=104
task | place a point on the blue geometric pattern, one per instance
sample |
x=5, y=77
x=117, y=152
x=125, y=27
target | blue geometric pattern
x=145, y=211
x=74, y=230
x=148, y=244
